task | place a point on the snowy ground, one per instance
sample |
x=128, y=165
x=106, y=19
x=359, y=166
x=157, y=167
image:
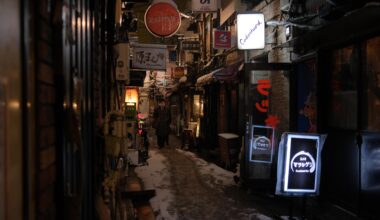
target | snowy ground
x=188, y=187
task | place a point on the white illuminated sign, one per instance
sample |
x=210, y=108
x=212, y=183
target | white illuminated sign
x=250, y=31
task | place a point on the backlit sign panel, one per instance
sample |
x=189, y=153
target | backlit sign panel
x=250, y=31
x=299, y=164
x=261, y=149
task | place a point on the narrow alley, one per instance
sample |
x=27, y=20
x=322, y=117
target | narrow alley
x=189, y=188
x=189, y=109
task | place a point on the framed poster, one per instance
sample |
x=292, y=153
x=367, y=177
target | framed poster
x=299, y=164
x=261, y=149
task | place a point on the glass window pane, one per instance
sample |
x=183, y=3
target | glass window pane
x=373, y=79
x=343, y=87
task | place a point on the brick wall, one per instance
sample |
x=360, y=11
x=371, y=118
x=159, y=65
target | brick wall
x=46, y=113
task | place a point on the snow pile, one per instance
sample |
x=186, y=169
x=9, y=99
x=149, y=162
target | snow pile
x=156, y=176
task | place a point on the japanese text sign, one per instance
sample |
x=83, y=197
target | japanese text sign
x=149, y=57
x=299, y=164
x=204, y=5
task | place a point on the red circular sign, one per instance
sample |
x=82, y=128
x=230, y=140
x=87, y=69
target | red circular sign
x=162, y=19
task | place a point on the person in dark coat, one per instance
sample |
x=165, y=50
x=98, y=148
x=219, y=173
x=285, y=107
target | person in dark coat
x=161, y=122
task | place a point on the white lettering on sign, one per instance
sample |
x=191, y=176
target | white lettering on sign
x=302, y=162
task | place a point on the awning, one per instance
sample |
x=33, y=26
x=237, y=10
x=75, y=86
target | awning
x=226, y=74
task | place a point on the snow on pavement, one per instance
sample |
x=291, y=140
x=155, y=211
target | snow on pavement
x=158, y=176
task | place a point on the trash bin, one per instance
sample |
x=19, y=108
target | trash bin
x=229, y=148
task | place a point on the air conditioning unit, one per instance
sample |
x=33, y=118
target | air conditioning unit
x=285, y=5
x=122, y=62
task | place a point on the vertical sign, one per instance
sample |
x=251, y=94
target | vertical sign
x=204, y=5
x=222, y=39
x=250, y=31
x=260, y=89
x=122, y=63
x=262, y=139
x=299, y=164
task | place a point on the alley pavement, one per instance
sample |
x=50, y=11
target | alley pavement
x=196, y=194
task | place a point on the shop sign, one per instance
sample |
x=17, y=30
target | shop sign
x=250, y=31
x=149, y=57
x=122, y=62
x=262, y=139
x=299, y=164
x=162, y=19
x=190, y=45
x=204, y=5
x=222, y=39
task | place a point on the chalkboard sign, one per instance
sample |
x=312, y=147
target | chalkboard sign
x=299, y=164
x=261, y=149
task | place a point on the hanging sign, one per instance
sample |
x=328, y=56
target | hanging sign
x=299, y=164
x=222, y=39
x=162, y=19
x=122, y=62
x=149, y=57
x=262, y=139
x=250, y=31
x=204, y=5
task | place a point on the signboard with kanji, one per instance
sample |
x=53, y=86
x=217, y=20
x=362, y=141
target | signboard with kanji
x=149, y=57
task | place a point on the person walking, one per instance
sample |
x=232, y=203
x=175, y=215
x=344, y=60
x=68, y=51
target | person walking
x=161, y=122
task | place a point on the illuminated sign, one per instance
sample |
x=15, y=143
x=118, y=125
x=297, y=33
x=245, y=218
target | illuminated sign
x=250, y=31
x=204, y=5
x=262, y=138
x=299, y=164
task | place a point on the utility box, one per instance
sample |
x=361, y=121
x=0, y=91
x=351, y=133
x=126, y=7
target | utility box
x=229, y=146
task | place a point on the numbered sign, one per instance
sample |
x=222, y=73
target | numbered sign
x=204, y=5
